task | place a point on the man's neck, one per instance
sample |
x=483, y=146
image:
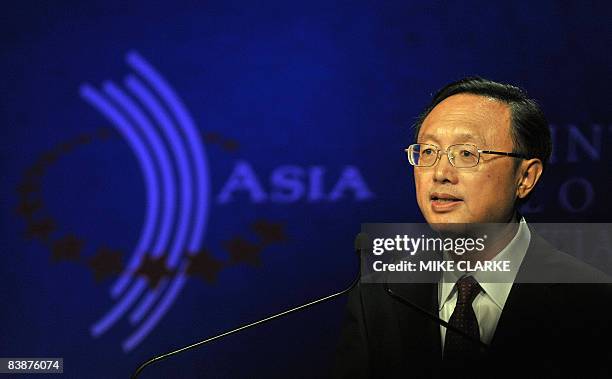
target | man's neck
x=498, y=236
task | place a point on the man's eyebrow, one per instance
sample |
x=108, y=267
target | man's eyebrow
x=459, y=137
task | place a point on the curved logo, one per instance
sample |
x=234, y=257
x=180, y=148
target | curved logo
x=154, y=122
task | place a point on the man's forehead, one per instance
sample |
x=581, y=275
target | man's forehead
x=467, y=117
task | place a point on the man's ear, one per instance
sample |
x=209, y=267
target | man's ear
x=530, y=171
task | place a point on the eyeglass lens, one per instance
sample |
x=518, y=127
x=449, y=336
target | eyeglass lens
x=461, y=155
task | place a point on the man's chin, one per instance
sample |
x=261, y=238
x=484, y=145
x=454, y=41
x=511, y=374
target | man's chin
x=451, y=223
x=453, y=230
x=447, y=218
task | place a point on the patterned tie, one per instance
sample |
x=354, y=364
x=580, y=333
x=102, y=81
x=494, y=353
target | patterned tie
x=457, y=348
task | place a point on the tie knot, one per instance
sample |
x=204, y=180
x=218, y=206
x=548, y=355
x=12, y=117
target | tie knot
x=467, y=290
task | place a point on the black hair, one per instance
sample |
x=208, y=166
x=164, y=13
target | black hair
x=528, y=127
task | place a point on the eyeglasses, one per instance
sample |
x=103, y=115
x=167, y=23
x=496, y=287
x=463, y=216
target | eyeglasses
x=460, y=155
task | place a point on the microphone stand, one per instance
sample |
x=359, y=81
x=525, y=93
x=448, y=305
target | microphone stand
x=359, y=241
x=483, y=346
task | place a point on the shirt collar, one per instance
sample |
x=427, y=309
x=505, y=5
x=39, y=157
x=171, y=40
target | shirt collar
x=498, y=292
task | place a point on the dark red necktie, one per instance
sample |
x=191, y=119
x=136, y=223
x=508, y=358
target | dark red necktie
x=456, y=346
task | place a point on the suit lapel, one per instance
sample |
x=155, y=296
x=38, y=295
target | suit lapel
x=523, y=313
x=420, y=335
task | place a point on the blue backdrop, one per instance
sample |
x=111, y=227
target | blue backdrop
x=170, y=171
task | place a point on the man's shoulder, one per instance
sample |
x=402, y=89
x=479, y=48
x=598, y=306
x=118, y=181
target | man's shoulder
x=544, y=263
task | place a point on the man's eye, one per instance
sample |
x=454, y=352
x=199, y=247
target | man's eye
x=466, y=153
x=428, y=151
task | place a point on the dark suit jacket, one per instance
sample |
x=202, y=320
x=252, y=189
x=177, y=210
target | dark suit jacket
x=546, y=330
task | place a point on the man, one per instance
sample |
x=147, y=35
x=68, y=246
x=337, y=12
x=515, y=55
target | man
x=481, y=148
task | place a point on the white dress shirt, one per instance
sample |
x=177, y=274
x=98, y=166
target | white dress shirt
x=489, y=303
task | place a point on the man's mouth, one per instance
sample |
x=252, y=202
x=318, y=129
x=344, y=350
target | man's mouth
x=444, y=202
x=444, y=197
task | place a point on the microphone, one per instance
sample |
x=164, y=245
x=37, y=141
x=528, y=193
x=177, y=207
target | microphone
x=483, y=346
x=360, y=242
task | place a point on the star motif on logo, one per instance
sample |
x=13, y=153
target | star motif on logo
x=66, y=147
x=36, y=170
x=212, y=137
x=243, y=251
x=104, y=133
x=67, y=248
x=216, y=139
x=105, y=263
x=50, y=157
x=153, y=270
x=26, y=188
x=28, y=208
x=40, y=229
x=269, y=232
x=204, y=265
x=84, y=139
x=229, y=145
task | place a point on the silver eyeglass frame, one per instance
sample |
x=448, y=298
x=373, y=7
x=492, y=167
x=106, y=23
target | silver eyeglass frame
x=451, y=158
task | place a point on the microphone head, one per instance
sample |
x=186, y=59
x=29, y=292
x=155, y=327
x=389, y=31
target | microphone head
x=362, y=240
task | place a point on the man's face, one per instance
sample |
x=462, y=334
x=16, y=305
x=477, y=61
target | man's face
x=480, y=194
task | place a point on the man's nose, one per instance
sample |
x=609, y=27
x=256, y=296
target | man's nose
x=444, y=170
